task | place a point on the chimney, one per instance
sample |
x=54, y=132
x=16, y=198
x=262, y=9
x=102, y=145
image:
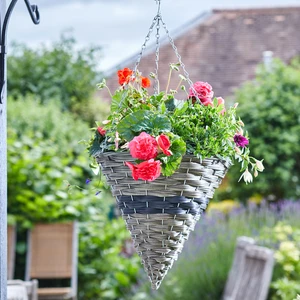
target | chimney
x=267, y=60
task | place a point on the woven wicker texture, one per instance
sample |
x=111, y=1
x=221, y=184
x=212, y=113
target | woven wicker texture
x=160, y=214
x=158, y=239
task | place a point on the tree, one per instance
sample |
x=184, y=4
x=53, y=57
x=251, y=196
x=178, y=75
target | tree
x=270, y=106
x=57, y=72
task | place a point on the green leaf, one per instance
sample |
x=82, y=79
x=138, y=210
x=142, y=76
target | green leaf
x=171, y=163
x=170, y=104
x=140, y=121
x=95, y=146
x=119, y=100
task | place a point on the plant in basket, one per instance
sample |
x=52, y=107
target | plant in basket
x=163, y=158
x=158, y=130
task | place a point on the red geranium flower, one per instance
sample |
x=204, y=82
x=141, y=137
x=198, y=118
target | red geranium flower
x=145, y=82
x=125, y=76
x=101, y=131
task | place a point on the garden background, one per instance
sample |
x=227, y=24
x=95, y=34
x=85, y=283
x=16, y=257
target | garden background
x=52, y=105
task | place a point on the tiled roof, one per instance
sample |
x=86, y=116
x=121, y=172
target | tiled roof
x=224, y=47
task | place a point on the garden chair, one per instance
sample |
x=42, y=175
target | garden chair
x=242, y=243
x=11, y=250
x=52, y=254
x=19, y=290
x=254, y=274
x=16, y=292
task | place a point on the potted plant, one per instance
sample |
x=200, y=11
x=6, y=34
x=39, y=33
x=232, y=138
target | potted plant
x=164, y=158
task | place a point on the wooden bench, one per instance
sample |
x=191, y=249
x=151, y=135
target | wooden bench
x=251, y=272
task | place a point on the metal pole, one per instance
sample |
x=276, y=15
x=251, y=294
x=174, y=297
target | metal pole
x=4, y=19
x=3, y=176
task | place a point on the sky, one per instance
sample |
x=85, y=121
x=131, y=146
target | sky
x=118, y=26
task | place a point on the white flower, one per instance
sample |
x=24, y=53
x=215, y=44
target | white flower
x=247, y=176
x=235, y=105
x=105, y=122
x=255, y=173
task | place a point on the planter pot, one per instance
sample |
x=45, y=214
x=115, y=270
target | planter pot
x=161, y=214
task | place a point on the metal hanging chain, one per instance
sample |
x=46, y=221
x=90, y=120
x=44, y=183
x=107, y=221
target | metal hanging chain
x=158, y=20
x=144, y=45
x=186, y=74
x=156, y=86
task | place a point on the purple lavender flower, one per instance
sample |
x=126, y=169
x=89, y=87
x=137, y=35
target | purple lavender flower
x=240, y=140
x=97, y=193
x=88, y=181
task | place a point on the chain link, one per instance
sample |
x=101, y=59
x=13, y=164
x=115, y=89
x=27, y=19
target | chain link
x=144, y=45
x=156, y=86
x=157, y=20
x=186, y=74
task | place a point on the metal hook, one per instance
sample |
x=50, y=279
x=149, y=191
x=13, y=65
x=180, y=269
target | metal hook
x=35, y=17
x=33, y=11
x=158, y=9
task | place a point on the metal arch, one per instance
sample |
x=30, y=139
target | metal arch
x=35, y=17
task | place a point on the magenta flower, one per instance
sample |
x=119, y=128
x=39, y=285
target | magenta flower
x=240, y=140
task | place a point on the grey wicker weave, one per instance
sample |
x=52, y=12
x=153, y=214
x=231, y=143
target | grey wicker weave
x=161, y=214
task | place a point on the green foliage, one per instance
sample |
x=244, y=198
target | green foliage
x=285, y=239
x=207, y=133
x=45, y=163
x=270, y=107
x=57, y=72
x=171, y=163
x=143, y=121
x=43, y=153
x=106, y=270
x=207, y=130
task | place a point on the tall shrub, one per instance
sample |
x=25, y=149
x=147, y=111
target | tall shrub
x=59, y=71
x=270, y=106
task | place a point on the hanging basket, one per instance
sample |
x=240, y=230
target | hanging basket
x=161, y=214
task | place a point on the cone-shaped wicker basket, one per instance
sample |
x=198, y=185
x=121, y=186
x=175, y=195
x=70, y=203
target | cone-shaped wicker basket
x=161, y=214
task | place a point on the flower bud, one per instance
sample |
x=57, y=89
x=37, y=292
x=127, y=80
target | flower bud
x=259, y=165
x=237, y=150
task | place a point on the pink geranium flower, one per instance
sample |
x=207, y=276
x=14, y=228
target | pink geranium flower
x=147, y=170
x=203, y=91
x=143, y=147
x=164, y=144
